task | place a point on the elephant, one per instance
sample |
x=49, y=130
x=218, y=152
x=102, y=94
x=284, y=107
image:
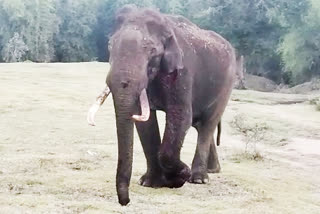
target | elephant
x=161, y=62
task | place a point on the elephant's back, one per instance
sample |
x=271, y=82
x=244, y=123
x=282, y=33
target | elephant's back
x=211, y=59
x=202, y=48
x=198, y=39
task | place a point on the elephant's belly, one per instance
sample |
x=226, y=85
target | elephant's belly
x=210, y=99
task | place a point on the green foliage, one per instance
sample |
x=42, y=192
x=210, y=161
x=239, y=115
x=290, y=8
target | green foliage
x=35, y=21
x=75, y=40
x=40, y=30
x=300, y=45
x=246, y=24
x=278, y=38
x=316, y=102
x=15, y=49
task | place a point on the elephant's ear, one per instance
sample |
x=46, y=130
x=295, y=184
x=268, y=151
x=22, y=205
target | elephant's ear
x=158, y=26
x=172, y=57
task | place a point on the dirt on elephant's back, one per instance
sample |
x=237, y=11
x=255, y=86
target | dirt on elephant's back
x=197, y=37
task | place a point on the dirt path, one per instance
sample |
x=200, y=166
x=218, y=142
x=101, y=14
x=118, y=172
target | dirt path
x=51, y=161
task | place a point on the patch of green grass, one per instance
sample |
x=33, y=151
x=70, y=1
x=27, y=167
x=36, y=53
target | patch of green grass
x=242, y=100
x=33, y=182
x=81, y=164
x=82, y=208
x=315, y=101
x=249, y=156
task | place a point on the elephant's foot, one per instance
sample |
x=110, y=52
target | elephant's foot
x=176, y=179
x=152, y=180
x=169, y=179
x=199, y=178
x=175, y=172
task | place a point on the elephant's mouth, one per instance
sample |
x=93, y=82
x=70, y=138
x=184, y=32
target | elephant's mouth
x=144, y=104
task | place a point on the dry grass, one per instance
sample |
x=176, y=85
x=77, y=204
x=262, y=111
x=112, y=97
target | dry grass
x=253, y=134
x=51, y=161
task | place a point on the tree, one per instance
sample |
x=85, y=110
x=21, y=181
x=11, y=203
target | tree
x=279, y=39
x=10, y=13
x=39, y=27
x=245, y=23
x=75, y=41
x=300, y=47
x=15, y=49
x=105, y=16
x=36, y=23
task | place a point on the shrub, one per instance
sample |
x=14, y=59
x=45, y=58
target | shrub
x=316, y=102
x=252, y=132
x=318, y=105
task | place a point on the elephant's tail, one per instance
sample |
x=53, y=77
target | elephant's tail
x=219, y=133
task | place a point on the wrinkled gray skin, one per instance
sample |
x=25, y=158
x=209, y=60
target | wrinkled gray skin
x=188, y=73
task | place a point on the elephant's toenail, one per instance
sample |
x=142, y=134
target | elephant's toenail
x=198, y=181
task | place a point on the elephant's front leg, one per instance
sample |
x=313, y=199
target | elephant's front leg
x=178, y=121
x=150, y=139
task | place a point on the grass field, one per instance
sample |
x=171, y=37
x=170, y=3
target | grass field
x=51, y=161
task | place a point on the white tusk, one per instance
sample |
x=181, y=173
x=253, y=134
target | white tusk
x=145, y=109
x=95, y=107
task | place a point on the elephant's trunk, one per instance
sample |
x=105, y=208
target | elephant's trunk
x=125, y=149
x=125, y=105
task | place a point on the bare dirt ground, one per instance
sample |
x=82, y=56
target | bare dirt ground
x=51, y=161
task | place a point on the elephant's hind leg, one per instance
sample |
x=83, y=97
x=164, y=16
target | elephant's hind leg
x=206, y=156
x=150, y=139
x=213, y=162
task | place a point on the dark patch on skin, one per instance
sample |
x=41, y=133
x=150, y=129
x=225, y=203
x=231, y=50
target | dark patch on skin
x=168, y=80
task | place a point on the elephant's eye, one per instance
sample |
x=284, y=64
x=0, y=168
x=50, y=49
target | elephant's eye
x=125, y=84
x=153, y=51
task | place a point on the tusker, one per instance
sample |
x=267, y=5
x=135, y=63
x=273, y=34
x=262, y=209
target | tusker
x=165, y=62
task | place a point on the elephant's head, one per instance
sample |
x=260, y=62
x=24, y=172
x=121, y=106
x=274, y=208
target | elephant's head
x=143, y=45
